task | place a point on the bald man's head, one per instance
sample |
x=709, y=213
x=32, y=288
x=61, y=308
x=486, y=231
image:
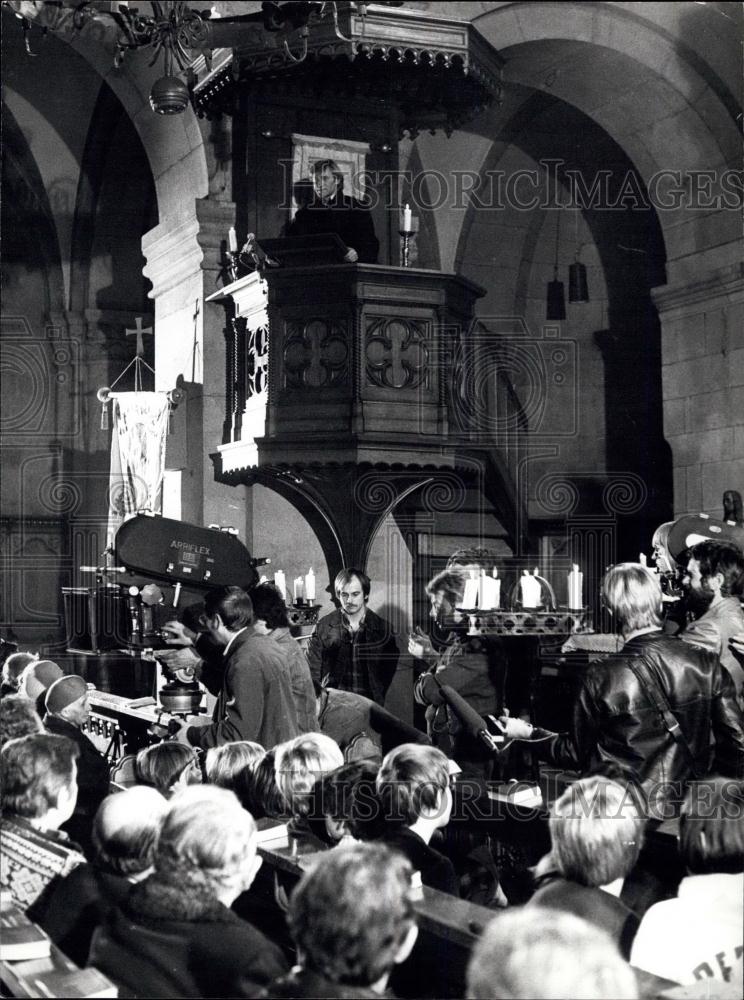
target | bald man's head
x=125, y=830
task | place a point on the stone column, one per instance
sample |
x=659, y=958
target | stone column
x=703, y=386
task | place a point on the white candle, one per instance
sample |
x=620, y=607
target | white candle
x=575, y=588
x=232, y=240
x=470, y=597
x=298, y=588
x=488, y=592
x=642, y=559
x=280, y=582
x=310, y=585
x=407, y=219
x=530, y=588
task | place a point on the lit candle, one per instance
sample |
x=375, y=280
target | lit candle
x=280, y=582
x=642, y=559
x=298, y=588
x=530, y=588
x=497, y=592
x=310, y=585
x=575, y=588
x=407, y=219
x=488, y=592
x=470, y=597
x=232, y=240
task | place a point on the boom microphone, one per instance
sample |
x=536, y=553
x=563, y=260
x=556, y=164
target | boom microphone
x=474, y=723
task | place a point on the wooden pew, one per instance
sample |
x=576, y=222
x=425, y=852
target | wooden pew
x=53, y=975
x=448, y=927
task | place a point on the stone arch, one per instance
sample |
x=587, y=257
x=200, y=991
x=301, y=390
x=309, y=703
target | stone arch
x=24, y=192
x=681, y=112
x=173, y=144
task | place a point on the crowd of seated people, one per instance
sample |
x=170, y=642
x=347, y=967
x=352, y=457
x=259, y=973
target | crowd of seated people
x=158, y=885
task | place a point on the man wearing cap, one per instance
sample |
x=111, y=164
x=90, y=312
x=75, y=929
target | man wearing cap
x=35, y=681
x=67, y=709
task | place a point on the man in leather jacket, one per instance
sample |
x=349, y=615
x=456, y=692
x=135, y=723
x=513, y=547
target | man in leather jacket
x=663, y=711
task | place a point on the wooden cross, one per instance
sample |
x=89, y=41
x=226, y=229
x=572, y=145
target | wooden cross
x=138, y=331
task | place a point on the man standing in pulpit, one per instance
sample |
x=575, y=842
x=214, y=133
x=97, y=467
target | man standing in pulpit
x=331, y=211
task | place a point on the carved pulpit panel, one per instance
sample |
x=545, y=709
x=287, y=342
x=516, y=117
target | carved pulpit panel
x=397, y=353
x=316, y=354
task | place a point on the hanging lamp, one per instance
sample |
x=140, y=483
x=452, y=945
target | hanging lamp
x=556, y=303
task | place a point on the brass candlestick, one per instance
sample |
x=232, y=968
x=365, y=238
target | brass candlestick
x=406, y=235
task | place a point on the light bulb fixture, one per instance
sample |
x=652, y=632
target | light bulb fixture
x=169, y=96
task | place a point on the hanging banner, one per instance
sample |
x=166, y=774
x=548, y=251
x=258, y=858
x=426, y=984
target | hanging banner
x=138, y=438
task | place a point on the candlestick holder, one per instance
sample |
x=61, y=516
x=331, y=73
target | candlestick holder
x=232, y=267
x=529, y=621
x=303, y=613
x=406, y=235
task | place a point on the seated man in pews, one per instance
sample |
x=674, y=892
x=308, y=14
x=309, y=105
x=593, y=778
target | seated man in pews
x=67, y=705
x=662, y=710
x=38, y=776
x=352, y=921
x=175, y=934
x=528, y=953
x=18, y=717
x=125, y=830
x=698, y=935
x=12, y=670
x=344, y=805
x=596, y=831
x=413, y=785
x=36, y=679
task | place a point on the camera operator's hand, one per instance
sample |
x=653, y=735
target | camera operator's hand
x=175, y=633
x=184, y=662
x=179, y=735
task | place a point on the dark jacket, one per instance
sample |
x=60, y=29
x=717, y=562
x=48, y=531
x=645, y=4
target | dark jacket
x=92, y=779
x=335, y=655
x=255, y=702
x=71, y=908
x=163, y=942
x=303, y=983
x=476, y=670
x=592, y=904
x=615, y=721
x=301, y=681
x=345, y=217
x=437, y=871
